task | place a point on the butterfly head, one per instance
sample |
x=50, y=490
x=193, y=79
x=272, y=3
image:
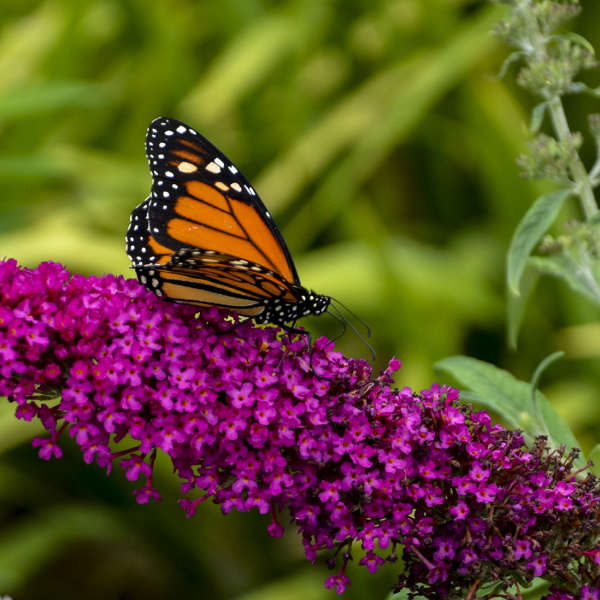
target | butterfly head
x=317, y=304
x=281, y=312
x=310, y=303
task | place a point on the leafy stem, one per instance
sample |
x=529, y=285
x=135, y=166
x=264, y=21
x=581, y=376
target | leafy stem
x=552, y=62
x=583, y=186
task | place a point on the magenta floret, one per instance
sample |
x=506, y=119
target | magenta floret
x=251, y=422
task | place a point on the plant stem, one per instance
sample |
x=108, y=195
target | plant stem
x=583, y=186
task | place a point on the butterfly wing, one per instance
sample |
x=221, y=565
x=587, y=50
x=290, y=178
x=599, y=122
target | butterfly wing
x=200, y=199
x=203, y=236
x=207, y=278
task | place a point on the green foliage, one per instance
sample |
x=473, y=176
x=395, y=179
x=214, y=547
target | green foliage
x=595, y=458
x=550, y=63
x=520, y=404
x=378, y=137
x=534, y=224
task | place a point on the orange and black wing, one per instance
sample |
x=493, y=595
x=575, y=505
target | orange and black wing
x=200, y=199
x=207, y=278
x=204, y=237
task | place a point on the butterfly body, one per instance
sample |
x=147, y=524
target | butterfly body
x=204, y=237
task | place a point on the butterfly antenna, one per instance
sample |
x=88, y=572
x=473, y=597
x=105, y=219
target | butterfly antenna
x=337, y=314
x=353, y=315
x=342, y=321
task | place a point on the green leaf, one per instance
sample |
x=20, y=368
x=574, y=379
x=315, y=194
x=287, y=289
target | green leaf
x=537, y=117
x=578, y=87
x=542, y=367
x=535, y=590
x=564, y=267
x=401, y=595
x=492, y=387
x=534, y=224
x=507, y=396
x=592, y=91
x=576, y=39
x=536, y=377
x=513, y=57
x=594, y=456
x=516, y=304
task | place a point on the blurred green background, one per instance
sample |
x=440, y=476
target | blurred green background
x=377, y=134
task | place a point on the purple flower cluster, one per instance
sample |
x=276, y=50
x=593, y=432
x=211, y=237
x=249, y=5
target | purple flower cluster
x=249, y=421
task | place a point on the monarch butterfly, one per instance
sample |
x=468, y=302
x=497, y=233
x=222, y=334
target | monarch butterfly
x=204, y=237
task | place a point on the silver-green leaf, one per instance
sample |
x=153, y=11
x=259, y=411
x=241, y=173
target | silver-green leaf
x=532, y=227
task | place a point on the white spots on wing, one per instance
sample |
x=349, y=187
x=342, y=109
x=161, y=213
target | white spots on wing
x=161, y=142
x=187, y=167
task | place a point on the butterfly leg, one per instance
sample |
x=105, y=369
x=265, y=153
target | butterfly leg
x=293, y=330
